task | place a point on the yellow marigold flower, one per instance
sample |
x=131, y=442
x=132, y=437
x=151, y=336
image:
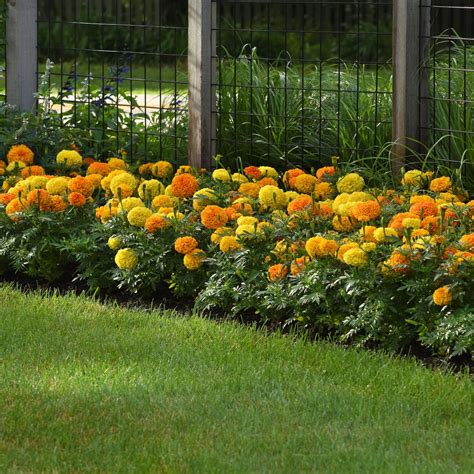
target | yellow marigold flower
x=213, y=217
x=138, y=216
x=441, y=185
x=129, y=203
x=415, y=178
x=105, y=183
x=249, y=189
x=150, y=188
x=277, y=272
x=194, y=260
x=217, y=235
x=305, y=183
x=385, y=234
x=37, y=182
x=342, y=223
x=420, y=197
x=185, y=245
x=222, y=175
x=268, y=172
x=183, y=169
x=117, y=164
x=449, y=197
x=244, y=231
x=126, y=259
x=202, y=198
x=411, y=223
x=239, y=178
x=350, y=183
x=123, y=178
x=174, y=214
x=243, y=206
x=156, y=222
x=323, y=191
x=271, y=197
x=263, y=225
x=320, y=247
x=368, y=246
x=20, y=153
x=69, y=158
x=229, y=243
x=114, y=243
x=162, y=169
x=184, y=185
x=356, y=257
x=291, y=196
x=345, y=248
x=163, y=201
x=442, y=296
x=247, y=220
x=367, y=233
x=15, y=166
x=94, y=179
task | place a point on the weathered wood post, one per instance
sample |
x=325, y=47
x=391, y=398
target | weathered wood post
x=21, y=30
x=411, y=27
x=201, y=71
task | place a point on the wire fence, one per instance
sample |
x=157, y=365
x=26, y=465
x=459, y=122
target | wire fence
x=450, y=67
x=299, y=82
x=119, y=72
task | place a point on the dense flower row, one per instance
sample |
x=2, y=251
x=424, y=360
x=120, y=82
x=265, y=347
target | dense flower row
x=257, y=240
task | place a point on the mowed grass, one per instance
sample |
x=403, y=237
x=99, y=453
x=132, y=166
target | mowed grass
x=92, y=387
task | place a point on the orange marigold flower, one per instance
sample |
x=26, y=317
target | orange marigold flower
x=398, y=262
x=252, y=172
x=397, y=220
x=290, y=176
x=184, y=185
x=5, y=198
x=57, y=204
x=232, y=213
x=88, y=160
x=39, y=198
x=213, y=217
x=305, y=183
x=343, y=223
x=431, y=224
x=249, y=189
x=441, y=185
x=185, y=245
x=323, y=191
x=20, y=153
x=344, y=248
x=81, y=185
x=156, y=222
x=99, y=168
x=302, y=203
x=13, y=207
x=298, y=265
x=145, y=168
x=267, y=182
x=366, y=211
x=442, y=296
x=277, y=272
x=325, y=171
x=32, y=171
x=76, y=199
x=424, y=208
x=467, y=241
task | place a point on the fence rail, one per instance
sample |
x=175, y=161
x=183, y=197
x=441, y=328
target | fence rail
x=291, y=83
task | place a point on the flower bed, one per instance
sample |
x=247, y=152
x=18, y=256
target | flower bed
x=322, y=250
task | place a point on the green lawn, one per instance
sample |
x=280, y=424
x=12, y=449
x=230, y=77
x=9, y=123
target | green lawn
x=88, y=387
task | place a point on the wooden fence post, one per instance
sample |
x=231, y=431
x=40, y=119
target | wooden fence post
x=411, y=23
x=21, y=30
x=201, y=71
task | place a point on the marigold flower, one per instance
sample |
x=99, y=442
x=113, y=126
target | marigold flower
x=194, y=260
x=183, y=169
x=267, y=182
x=252, y=172
x=126, y=259
x=156, y=222
x=229, y=243
x=114, y=243
x=185, y=245
x=350, y=183
x=398, y=262
x=385, y=234
x=271, y=197
x=57, y=204
x=217, y=235
x=138, y=216
x=239, y=178
x=242, y=206
x=442, y=296
x=13, y=207
x=150, y=188
x=123, y=184
x=441, y=185
x=424, y=208
x=367, y=233
x=99, y=168
x=69, y=158
x=222, y=175
x=213, y=217
x=77, y=199
x=81, y=185
x=368, y=246
x=321, y=247
x=162, y=169
x=34, y=170
x=343, y=223
x=467, y=241
x=277, y=272
x=290, y=176
x=323, y=191
x=38, y=198
x=129, y=203
x=414, y=178
x=298, y=265
x=411, y=223
x=202, y=198
x=300, y=204
x=163, y=200
x=356, y=257
x=20, y=153
x=305, y=183
x=268, y=172
x=249, y=189
x=396, y=222
x=5, y=198
x=184, y=185
x=324, y=172
x=366, y=211
x=117, y=164
x=345, y=248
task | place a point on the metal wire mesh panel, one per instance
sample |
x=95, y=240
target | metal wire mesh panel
x=450, y=67
x=120, y=72
x=3, y=60
x=299, y=82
